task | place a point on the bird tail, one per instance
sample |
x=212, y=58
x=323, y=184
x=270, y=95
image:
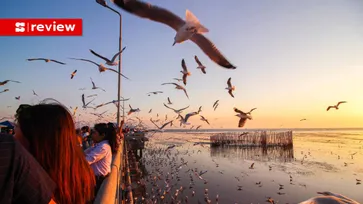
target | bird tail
x=192, y=19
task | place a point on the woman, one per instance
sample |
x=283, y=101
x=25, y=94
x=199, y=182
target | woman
x=100, y=156
x=47, y=131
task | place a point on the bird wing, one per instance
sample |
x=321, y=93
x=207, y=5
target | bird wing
x=117, y=54
x=185, y=91
x=90, y=102
x=242, y=122
x=154, y=123
x=197, y=60
x=169, y=107
x=165, y=124
x=57, y=61
x=203, y=70
x=230, y=93
x=151, y=12
x=229, y=82
x=15, y=81
x=117, y=73
x=32, y=59
x=84, y=103
x=169, y=100
x=184, y=66
x=215, y=103
x=238, y=111
x=86, y=60
x=211, y=51
x=185, y=79
x=252, y=109
x=187, y=116
x=340, y=102
x=170, y=83
x=183, y=109
x=329, y=107
x=100, y=56
x=93, y=83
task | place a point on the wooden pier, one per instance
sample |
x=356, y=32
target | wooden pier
x=258, y=138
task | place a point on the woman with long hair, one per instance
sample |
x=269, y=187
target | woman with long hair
x=100, y=156
x=47, y=131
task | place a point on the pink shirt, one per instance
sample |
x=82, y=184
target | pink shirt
x=100, y=158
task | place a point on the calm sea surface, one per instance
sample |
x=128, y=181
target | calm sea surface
x=320, y=160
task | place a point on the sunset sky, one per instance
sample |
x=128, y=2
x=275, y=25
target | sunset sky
x=293, y=58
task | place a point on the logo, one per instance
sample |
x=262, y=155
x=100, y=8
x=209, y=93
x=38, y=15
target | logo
x=41, y=27
x=19, y=27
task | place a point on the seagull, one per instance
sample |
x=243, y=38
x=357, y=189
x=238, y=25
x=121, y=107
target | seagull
x=177, y=86
x=5, y=90
x=17, y=98
x=243, y=117
x=2, y=83
x=184, y=121
x=191, y=28
x=185, y=72
x=133, y=110
x=200, y=65
x=75, y=110
x=328, y=197
x=154, y=92
x=336, y=106
x=111, y=62
x=84, y=103
x=35, y=94
x=91, y=95
x=230, y=88
x=95, y=87
x=160, y=128
x=215, y=107
x=176, y=111
x=204, y=119
x=47, y=60
x=169, y=102
x=114, y=101
x=73, y=74
x=303, y=119
x=101, y=67
x=197, y=128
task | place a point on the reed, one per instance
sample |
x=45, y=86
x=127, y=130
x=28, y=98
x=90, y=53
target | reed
x=258, y=138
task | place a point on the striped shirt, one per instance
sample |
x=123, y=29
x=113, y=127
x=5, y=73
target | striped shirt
x=22, y=179
x=100, y=158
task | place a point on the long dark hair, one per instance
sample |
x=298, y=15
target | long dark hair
x=50, y=131
x=110, y=134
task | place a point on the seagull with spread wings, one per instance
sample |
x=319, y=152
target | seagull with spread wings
x=73, y=74
x=17, y=98
x=35, y=94
x=95, y=87
x=133, y=110
x=175, y=110
x=114, y=102
x=243, y=117
x=46, y=60
x=85, y=105
x=202, y=118
x=177, y=86
x=230, y=88
x=187, y=29
x=109, y=62
x=154, y=92
x=200, y=65
x=5, y=90
x=164, y=125
x=185, y=72
x=2, y=83
x=336, y=106
x=101, y=67
x=184, y=120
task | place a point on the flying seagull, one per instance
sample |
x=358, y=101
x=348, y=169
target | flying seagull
x=114, y=102
x=73, y=74
x=154, y=92
x=17, y=98
x=160, y=128
x=230, y=88
x=185, y=72
x=35, y=94
x=200, y=65
x=2, y=83
x=204, y=119
x=243, y=117
x=95, y=87
x=336, y=106
x=46, y=60
x=191, y=28
x=176, y=111
x=169, y=102
x=5, y=90
x=101, y=67
x=85, y=105
x=133, y=110
x=177, y=86
x=184, y=121
x=215, y=103
x=111, y=62
x=303, y=119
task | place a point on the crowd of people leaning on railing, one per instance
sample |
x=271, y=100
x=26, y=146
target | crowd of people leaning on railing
x=46, y=160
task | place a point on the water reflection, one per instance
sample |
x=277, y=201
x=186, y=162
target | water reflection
x=277, y=154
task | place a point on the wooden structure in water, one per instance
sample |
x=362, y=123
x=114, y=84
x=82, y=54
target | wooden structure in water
x=258, y=138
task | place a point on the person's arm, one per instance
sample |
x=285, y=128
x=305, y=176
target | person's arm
x=97, y=154
x=31, y=183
